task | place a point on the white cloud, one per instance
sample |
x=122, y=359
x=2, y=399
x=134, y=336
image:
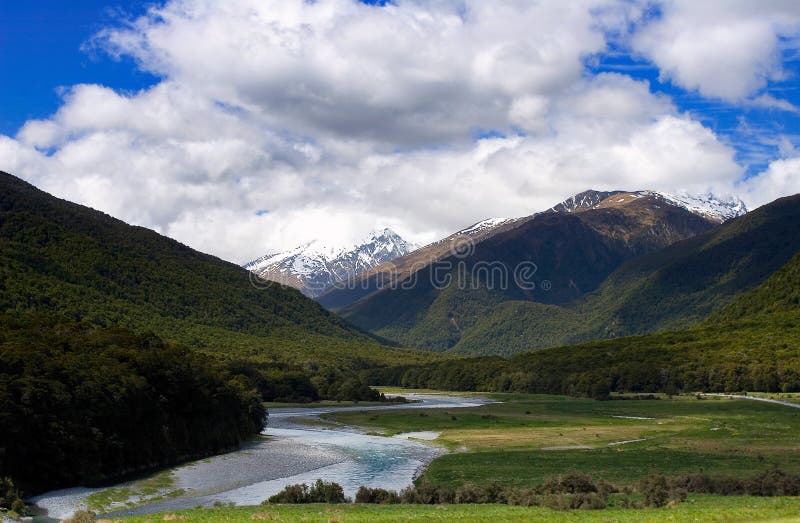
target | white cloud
x=412, y=73
x=285, y=120
x=781, y=178
x=723, y=48
x=767, y=101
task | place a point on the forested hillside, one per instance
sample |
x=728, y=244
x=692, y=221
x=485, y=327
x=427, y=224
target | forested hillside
x=753, y=344
x=61, y=257
x=670, y=288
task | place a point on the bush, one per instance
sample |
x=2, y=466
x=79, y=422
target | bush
x=377, y=496
x=571, y=483
x=526, y=497
x=11, y=497
x=319, y=492
x=772, y=482
x=658, y=490
x=472, y=493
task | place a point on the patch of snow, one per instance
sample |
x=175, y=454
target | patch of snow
x=706, y=205
x=483, y=225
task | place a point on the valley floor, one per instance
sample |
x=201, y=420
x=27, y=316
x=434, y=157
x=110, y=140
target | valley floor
x=522, y=440
x=696, y=508
x=525, y=439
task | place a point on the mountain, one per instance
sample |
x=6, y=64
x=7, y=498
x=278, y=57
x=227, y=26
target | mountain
x=399, y=269
x=671, y=288
x=750, y=344
x=583, y=201
x=64, y=258
x=706, y=205
x=315, y=267
x=549, y=259
x=391, y=274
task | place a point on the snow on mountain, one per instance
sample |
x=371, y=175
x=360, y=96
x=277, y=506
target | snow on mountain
x=482, y=225
x=316, y=266
x=707, y=205
x=583, y=201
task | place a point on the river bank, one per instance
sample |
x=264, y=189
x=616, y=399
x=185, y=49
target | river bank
x=292, y=451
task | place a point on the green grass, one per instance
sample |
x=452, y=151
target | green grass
x=696, y=508
x=516, y=442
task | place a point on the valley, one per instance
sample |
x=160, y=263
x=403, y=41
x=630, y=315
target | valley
x=519, y=440
x=400, y=261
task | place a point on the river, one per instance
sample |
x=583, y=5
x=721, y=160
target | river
x=292, y=452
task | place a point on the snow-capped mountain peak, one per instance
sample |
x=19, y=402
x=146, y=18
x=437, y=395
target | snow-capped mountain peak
x=707, y=205
x=315, y=266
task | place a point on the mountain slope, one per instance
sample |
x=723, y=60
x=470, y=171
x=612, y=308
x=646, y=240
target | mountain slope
x=753, y=344
x=56, y=256
x=565, y=256
x=390, y=274
x=666, y=289
x=315, y=267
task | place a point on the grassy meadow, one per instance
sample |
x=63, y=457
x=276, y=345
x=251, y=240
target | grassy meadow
x=696, y=508
x=525, y=439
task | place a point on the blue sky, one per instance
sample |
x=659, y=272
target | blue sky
x=44, y=45
x=283, y=118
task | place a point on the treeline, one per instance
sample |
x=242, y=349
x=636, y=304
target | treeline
x=285, y=383
x=742, y=356
x=83, y=405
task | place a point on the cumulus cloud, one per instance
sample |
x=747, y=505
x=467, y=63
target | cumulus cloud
x=781, y=178
x=281, y=121
x=726, y=49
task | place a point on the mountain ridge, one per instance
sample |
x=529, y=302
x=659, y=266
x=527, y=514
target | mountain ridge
x=392, y=273
x=315, y=266
x=571, y=253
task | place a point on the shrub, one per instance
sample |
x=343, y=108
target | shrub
x=526, y=497
x=377, y=495
x=571, y=483
x=11, y=497
x=472, y=493
x=655, y=490
x=319, y=492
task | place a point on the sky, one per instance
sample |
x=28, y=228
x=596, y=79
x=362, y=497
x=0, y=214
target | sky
x=251, y=126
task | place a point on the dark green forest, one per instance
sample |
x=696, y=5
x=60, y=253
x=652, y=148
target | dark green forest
x=81, y=404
